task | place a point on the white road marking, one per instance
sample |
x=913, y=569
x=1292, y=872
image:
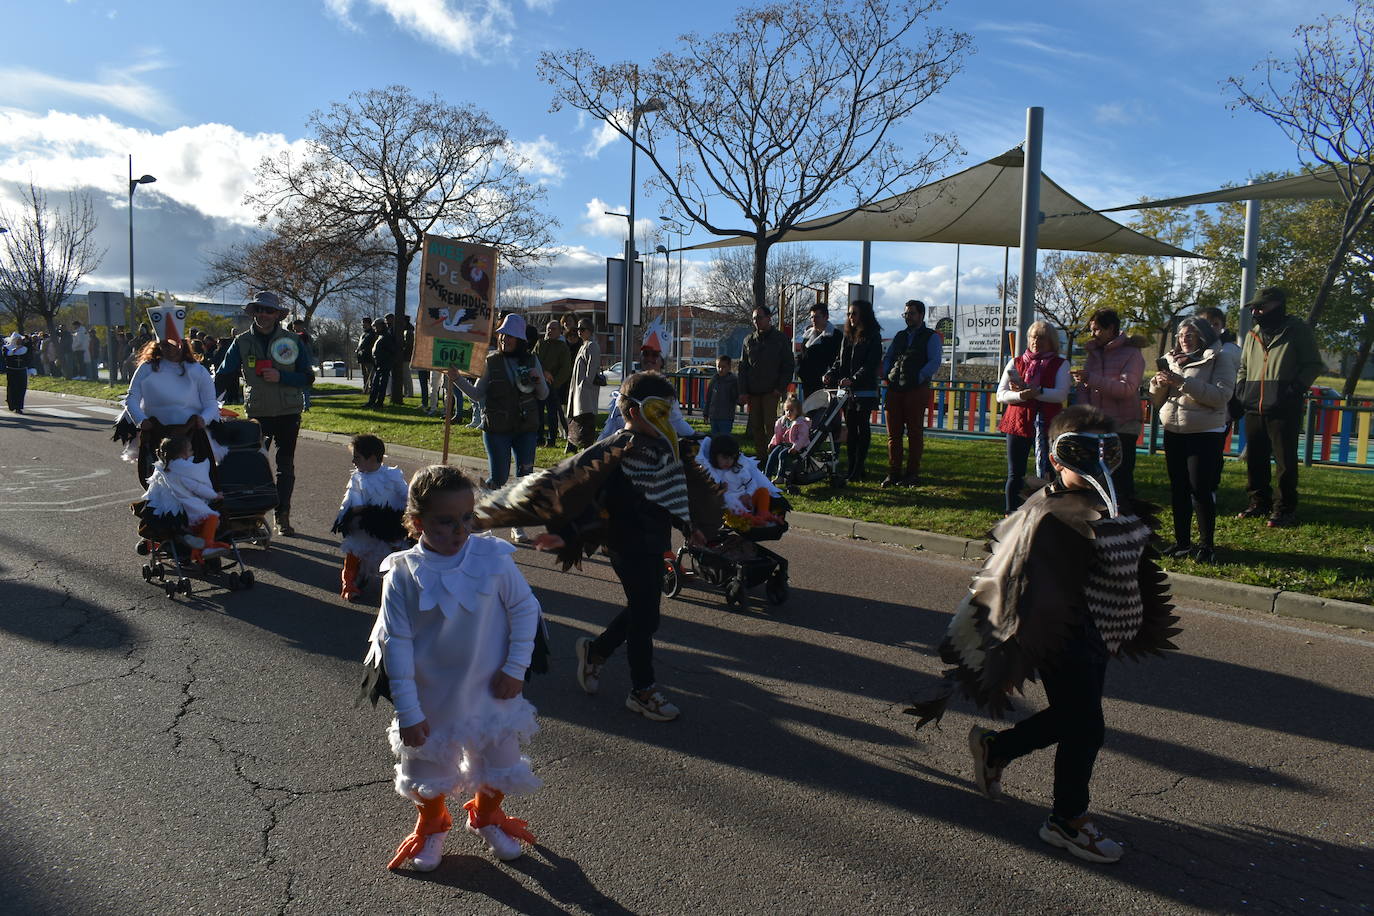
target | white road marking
x=80, y=504
x=60, y=413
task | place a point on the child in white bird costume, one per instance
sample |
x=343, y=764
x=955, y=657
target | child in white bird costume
x=179, y=488
x=371, y=515
x=455, y=634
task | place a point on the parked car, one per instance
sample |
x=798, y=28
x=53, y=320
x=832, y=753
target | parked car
x=332, y=369
x=699, y=367
x=614, y=375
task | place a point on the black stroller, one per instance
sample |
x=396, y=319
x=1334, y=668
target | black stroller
x=820, y=460
x=733, y=562
x=250, y=492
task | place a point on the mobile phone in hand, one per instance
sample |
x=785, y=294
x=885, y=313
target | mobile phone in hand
x=1162, y=364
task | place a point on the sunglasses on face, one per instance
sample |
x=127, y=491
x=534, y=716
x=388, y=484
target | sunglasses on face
x=263, y=310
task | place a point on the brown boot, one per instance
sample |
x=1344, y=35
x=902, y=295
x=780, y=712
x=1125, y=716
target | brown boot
x=349, y=588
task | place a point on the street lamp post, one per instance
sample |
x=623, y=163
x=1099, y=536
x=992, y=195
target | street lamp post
x=133, y=183
x=654, y=104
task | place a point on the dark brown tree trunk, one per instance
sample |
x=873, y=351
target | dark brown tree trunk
x=761, y=274
x=1361, y=358
x=402, y=272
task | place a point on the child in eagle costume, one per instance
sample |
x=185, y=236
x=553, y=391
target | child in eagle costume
x=1071, y=583
x=626, y=493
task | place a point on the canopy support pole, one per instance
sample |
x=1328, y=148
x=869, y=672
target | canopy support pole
x=1249, y=270
x=1002, y=326
x=1030, y=224
x=865, y=260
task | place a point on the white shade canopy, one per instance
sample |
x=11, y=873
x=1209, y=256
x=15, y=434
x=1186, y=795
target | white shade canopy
x=1318, y=185
x=978, y=206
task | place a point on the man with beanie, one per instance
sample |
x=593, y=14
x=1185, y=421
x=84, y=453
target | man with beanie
x=276, y=370
x=1278, y=364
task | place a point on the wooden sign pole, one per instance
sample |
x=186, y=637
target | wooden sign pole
x=448, y=414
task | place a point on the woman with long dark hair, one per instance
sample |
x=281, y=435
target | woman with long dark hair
x=856, y=368
x=170, y=394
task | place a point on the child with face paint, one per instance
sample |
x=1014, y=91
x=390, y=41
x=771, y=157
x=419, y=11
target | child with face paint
x=1070, y=583
x=456, y=632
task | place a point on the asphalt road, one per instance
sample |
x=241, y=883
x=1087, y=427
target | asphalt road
x=203, y=755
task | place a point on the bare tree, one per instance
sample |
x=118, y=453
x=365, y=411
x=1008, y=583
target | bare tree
x=1064, y=293
x=299, y=265
x=728, y=286
x=780, y=119
x=1323, y=100
x=388, y=161
x=48, y=250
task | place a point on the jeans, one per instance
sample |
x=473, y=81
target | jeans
x=499, y=446
x=1272, y=435
x=722, y=427
x=906, y=410
x=1194, y=463
x=283, y=431
x=642, y=578
x=1019, y=450
x=1073, y=721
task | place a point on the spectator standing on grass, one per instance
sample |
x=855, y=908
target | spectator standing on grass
x=1278, y=364
x=820, y=343
x=765, y=371
x=1191, y=397
x=52, y=363
x=299, y=328
x=856, y=368
x=276, y=370
x=583, y=391
x=363, y=353
x=911, y=361
x=383, y=358
x=406, y=341
x=1113, y=368
x=1032, y=391
x=554, y=355
x=722, y=397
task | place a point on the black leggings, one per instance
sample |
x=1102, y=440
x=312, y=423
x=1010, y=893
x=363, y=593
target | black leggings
x=1194, y=463
x=858, y=432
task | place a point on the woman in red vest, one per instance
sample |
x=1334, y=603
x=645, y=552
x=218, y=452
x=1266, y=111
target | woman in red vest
x=1032, y=390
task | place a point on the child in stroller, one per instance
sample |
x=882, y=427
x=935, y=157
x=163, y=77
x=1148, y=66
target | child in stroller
x=179, y=495
x=791, y=435
x=819, y=458
x=248, y=493
x=733, y=559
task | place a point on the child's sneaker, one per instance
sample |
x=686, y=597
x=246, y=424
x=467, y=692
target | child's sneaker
x=987, y=776
x=651, y=704
x=430, y=854
x=1081, y=837
x=588, y=671
x=503, y=834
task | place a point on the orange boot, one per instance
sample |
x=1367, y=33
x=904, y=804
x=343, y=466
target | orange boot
x=425, y=845
x=349, y=588
x=213, y=548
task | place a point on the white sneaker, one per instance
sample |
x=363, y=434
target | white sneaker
x=504, y=846
x=588, y=671
x=518, y=536
x=431, y=854
x=651, y=704
x=190, y=540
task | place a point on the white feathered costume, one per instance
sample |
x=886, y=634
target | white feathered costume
x=740, y=481
x=181, y=487
x=370, y=534
x=446, y=626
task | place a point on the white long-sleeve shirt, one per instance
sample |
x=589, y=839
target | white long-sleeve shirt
x=446, y=626
x=170, y=397
x=1055, y=395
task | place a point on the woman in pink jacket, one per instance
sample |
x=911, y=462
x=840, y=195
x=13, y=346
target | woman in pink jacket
x=1110, y=379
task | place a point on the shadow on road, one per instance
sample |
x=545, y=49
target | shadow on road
x=562, y=878
x=48, y=615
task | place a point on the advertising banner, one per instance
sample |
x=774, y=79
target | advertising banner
x=457, y=292
x=973, y=329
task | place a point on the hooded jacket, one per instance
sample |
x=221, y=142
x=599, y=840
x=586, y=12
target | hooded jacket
x=1199, y=405
x=1277, y=368
x=1112, y=375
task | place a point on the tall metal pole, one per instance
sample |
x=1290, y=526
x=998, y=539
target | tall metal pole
x=954, y=325
x=677, y=324
x=1030, y=224
x=1002, y=325
x=627, y=327
x=1249, y=272
x=867, y=260
x=129, y=317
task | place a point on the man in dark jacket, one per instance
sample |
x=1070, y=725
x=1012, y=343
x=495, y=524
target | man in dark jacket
x=820, y=343
x=910, y=363
x=383, y=358
x=363, y=353
x=1278, y=364
x=765, y=371
x=556, y=359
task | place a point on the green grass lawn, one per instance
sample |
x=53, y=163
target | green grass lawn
x=85, y=389
x=1364, y=388
x=962, y=496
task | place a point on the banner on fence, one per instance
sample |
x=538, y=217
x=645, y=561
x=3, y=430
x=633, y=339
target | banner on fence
x=975, y=329
x=453, y=327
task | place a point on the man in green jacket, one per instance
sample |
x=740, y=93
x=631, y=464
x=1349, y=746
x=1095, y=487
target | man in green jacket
x=554, y=355
x=1278, y=364
x=276, y=371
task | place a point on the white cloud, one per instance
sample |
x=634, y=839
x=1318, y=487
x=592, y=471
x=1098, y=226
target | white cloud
x=208, y=167
x=470, y=28
x=118, y=88
x=599, y=222
x=604, y=135
x=540, y=159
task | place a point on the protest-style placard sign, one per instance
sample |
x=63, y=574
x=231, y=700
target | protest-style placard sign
x=457, y=289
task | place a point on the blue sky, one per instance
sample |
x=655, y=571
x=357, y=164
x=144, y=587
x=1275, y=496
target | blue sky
x=199, y=92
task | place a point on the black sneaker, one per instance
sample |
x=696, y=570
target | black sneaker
x=888, y=481
x=1205, y=555
x=1177, y=550
x=1254, y=510
x=1282, y=520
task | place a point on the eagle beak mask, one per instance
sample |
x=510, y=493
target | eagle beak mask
x=656, y=411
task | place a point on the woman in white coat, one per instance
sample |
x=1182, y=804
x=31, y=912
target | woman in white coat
x=583, y=391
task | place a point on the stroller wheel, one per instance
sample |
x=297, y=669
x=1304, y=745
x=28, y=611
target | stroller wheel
x=170, y=588
x=213, y=564
x=734, y=594
x=159, y=569
x=776, y=590
x=147, y=573
x=142, y=548
x=184, y=585
x=234, y=581
x=247, y=578
x=672, y=579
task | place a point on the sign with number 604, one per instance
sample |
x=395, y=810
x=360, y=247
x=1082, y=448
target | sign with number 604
x=453, y=354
